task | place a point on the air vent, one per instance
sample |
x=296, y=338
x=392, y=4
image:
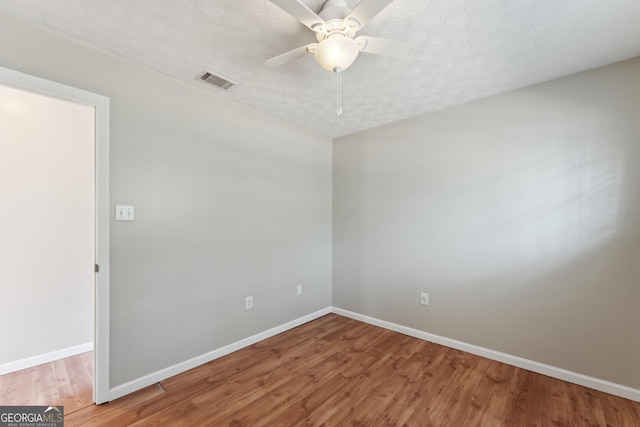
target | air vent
x=216, y=80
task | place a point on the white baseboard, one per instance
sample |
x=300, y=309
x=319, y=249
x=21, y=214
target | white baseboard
x=530, y=365
x=29, y=362
x=163, y=374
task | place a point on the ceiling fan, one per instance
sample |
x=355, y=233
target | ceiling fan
x=336, y=26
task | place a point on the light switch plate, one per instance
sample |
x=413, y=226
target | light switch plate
x=125, y=213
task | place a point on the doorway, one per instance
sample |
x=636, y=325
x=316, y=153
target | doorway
x=54, y=221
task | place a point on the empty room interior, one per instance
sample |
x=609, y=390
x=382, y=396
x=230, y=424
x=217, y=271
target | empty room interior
x=438, y=223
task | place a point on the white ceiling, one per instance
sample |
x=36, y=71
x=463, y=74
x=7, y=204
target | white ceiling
x=461, y=50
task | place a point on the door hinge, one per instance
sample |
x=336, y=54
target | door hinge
x=96, y=268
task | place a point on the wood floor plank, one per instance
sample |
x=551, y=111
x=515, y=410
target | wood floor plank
x=121, y=412
x=473, y=397
x=67, y=382
x=279, y=399
x=333, y=371
x=328, y=401
x=498, y=379
x=416, y=372
x=297, y=412
x=348, y=407
x=462, y=368
x=237, y=399
x=525, y=404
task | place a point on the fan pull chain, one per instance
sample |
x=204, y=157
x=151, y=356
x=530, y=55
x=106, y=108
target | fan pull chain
x=338, y=71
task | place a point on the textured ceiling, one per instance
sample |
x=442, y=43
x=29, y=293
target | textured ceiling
x=461, y=50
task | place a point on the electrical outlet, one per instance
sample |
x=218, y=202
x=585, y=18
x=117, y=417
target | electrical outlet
x=248, y=303
x=424, y=298
x=299, y=290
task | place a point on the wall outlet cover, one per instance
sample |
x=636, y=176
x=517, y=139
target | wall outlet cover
x=424, y=298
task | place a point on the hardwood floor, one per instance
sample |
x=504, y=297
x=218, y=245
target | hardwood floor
x=335, y=371
x=67, y=382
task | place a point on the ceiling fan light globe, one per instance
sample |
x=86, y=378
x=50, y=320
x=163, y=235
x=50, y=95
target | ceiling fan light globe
x=336, y=51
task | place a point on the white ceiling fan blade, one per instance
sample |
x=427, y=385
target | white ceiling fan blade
x=367, y=9
x=286, y=57
x=383, y=46
x=299, y=11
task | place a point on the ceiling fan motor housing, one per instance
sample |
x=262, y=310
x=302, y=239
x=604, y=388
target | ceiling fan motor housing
x=334, y=9
x=334, y=13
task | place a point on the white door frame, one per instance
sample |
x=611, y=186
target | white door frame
x=100, y=103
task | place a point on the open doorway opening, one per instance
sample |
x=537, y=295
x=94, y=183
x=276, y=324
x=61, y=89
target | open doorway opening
x=54, y=222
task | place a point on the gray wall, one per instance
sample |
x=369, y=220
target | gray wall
x=229, y=202
x=518, y=214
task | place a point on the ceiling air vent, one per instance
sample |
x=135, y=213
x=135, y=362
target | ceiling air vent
x=216, y=80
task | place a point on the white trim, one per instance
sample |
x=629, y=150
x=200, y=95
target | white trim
x=165, y=373
x=102, y=278
x=32, y=361
x=530, y=365
x=41, y=86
